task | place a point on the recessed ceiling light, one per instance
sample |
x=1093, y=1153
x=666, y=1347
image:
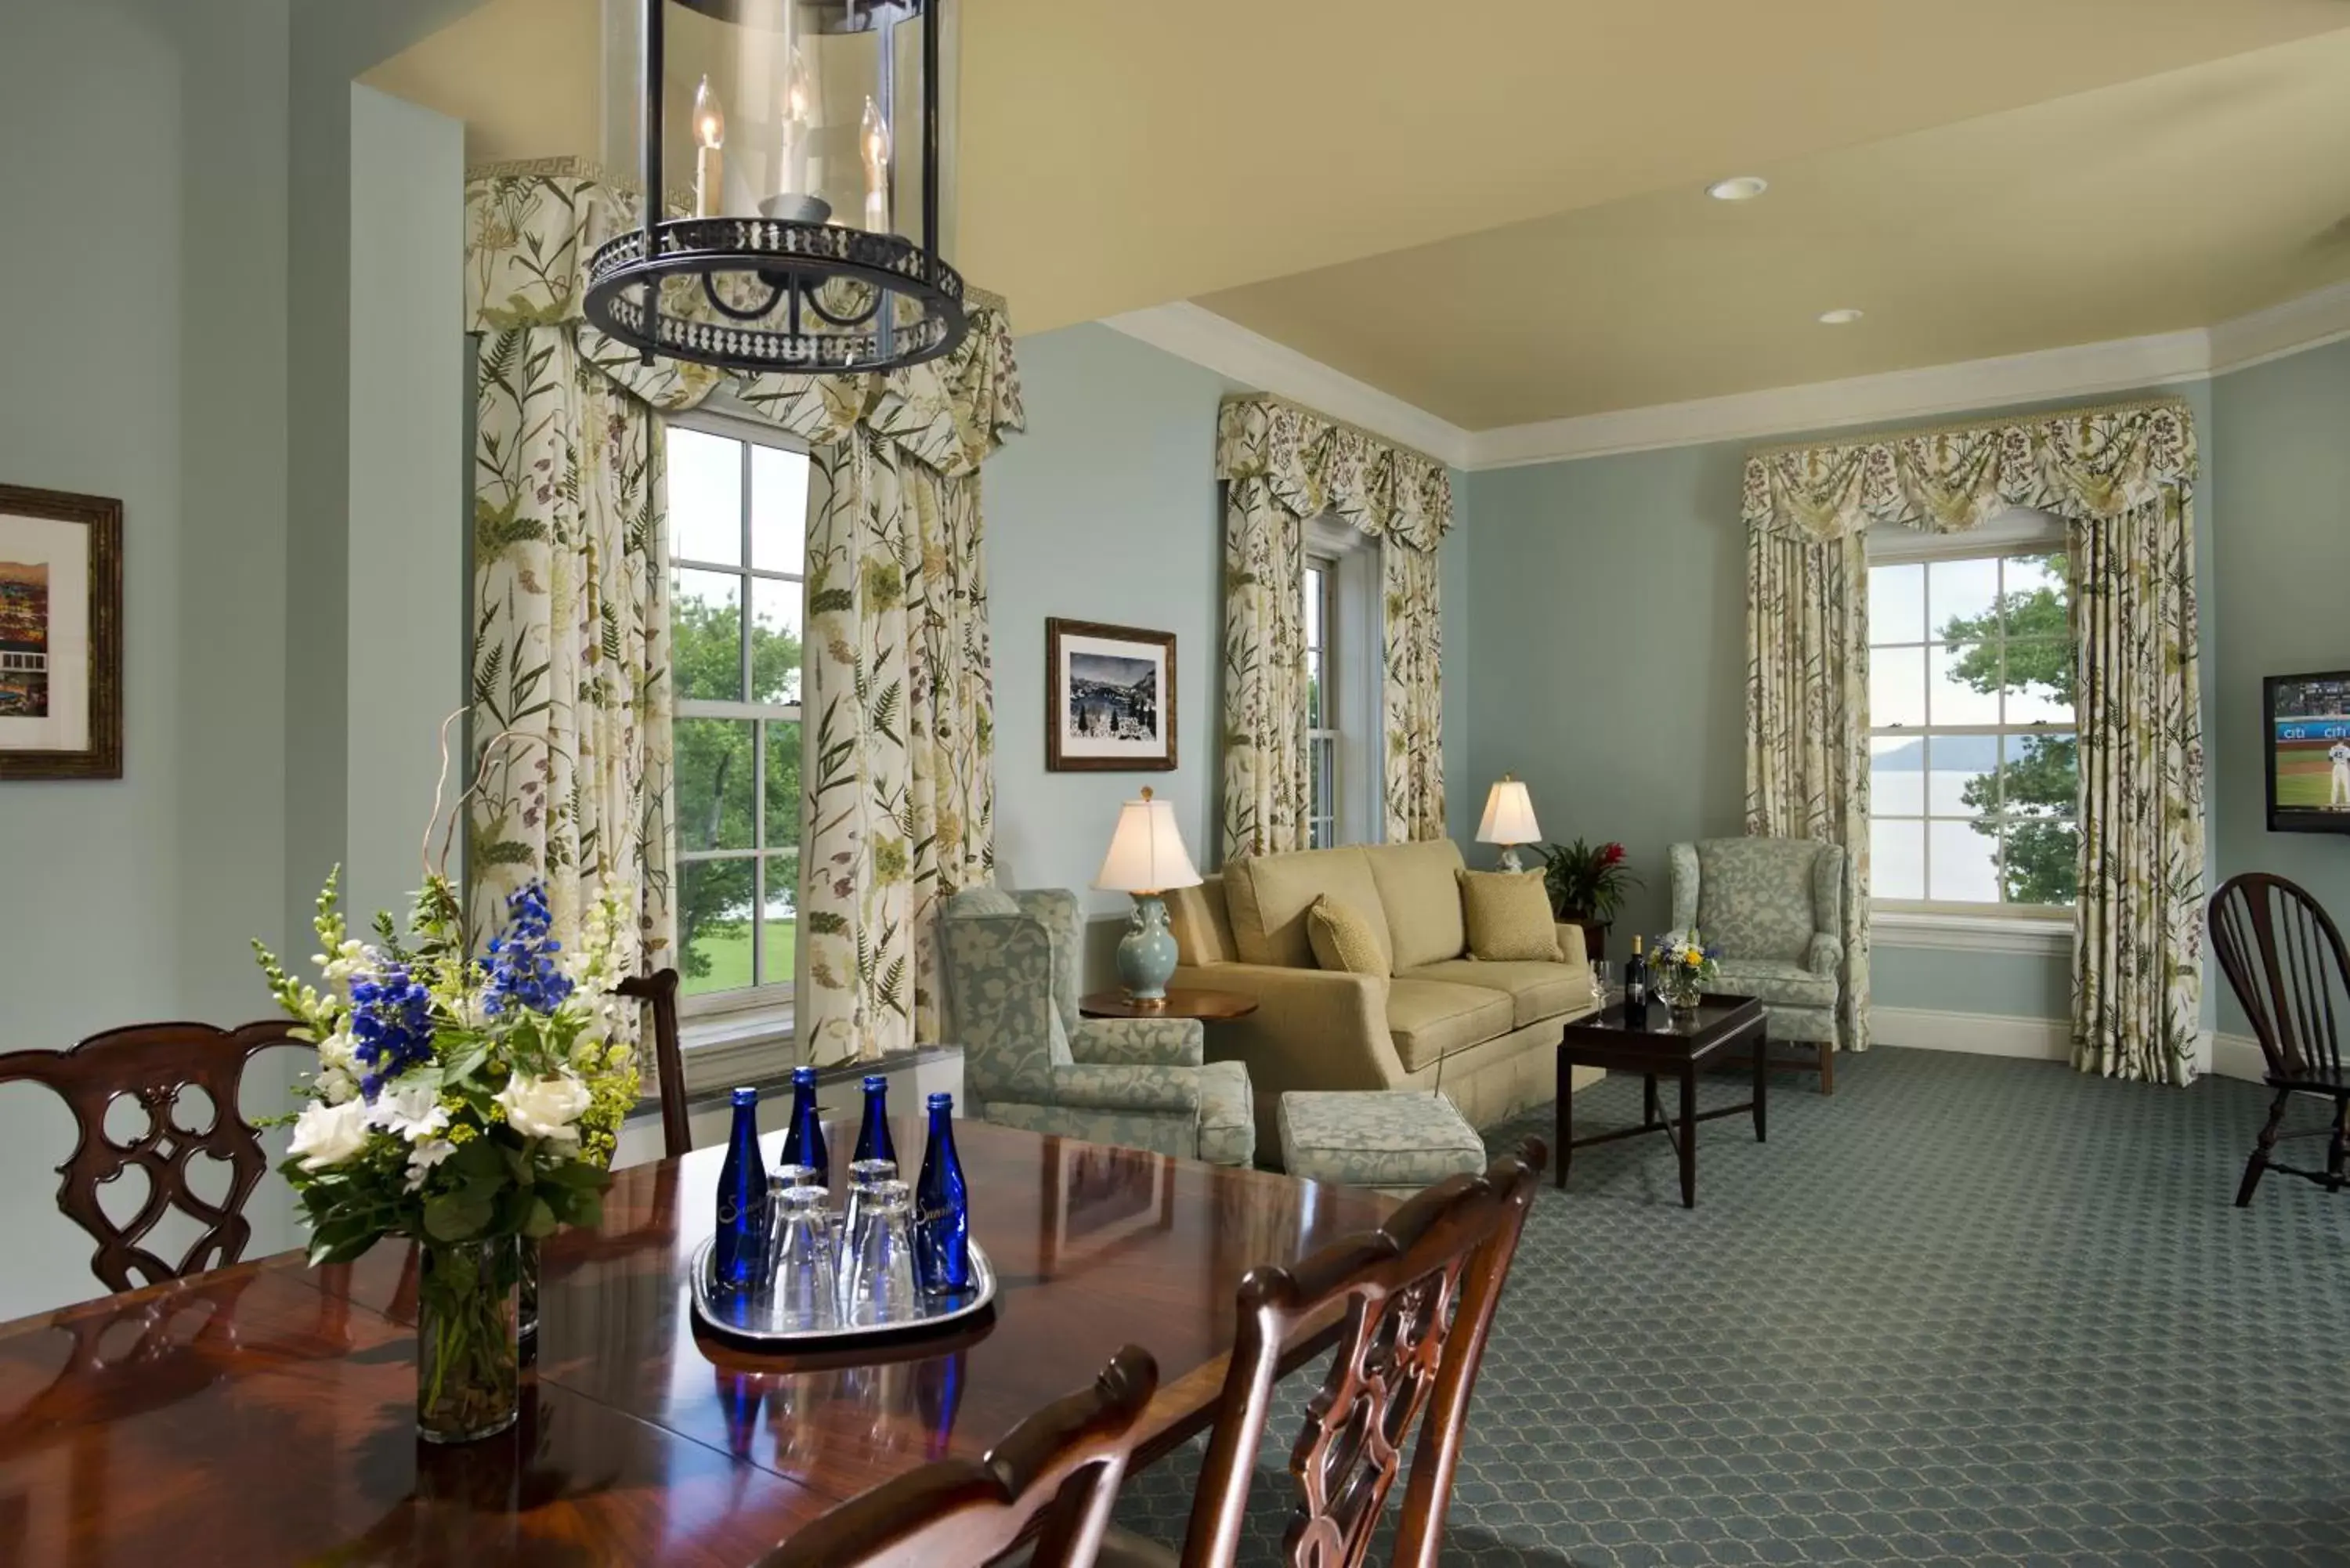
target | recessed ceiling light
x=1738, y=188
x=1843, y=317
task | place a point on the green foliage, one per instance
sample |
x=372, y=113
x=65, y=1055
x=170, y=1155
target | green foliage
x=714, y=766
x=2041, y=772
x=1585, y=881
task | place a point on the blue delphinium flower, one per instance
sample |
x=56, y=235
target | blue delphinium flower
x=523, y=971
x=392, y=1025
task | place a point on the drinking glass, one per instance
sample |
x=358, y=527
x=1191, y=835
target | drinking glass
x=881, y=1259
x=1603, y=980
x=864, y=1175
x=805, y=1294
x=788, y=1176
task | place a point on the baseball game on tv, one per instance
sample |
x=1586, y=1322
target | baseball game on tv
x=2309, y=753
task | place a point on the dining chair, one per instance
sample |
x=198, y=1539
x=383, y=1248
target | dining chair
x=658, y=992
x=156, y=1065
x=1062, y=1464
x=1419, y=1295
x=2284, y=958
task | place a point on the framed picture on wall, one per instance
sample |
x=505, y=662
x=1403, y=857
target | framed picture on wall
x=60, y=635
x=1109, y=698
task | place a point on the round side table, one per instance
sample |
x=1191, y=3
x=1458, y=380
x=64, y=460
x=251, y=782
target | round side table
x=1208, y=1006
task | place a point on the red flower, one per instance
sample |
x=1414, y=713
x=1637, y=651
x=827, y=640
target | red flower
x=1611, y=855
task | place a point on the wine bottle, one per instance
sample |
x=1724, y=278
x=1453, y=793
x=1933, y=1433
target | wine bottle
x=1635, y=989
x=803, y=1135
x=741, y=1240
x=941, y=1208
x=873, y=1139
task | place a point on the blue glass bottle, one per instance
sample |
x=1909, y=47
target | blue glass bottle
x=742, y=1245
x=804, y=1136
x=873, y=1139
x=942, y=1208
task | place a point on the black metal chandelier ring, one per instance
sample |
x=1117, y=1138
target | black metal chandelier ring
x=793, y=261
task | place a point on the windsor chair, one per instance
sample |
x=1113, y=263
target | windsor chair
x=2284, y=957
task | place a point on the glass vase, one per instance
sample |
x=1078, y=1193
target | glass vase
x=1680, y=987
x=468, y=1360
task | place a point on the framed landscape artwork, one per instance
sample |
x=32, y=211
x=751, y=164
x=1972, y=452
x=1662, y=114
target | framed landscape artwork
x=1109, y=698
x=60, y=635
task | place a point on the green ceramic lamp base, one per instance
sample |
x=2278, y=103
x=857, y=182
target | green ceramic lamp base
x=1145, y=954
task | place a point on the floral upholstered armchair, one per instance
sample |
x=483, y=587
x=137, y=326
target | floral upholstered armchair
x=1010, y=962
x=1775, y=908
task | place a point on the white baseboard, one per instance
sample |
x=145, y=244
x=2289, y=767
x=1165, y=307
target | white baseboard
x=1978, y=1033
x=2237, y=1057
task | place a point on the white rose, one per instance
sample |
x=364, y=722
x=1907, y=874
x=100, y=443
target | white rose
x=544, y=1107
x=328, y=1134
x=413, y=1111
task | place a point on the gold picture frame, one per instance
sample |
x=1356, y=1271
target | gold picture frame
x=60, y=635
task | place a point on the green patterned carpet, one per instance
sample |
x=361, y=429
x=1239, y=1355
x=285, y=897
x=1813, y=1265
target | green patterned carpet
x=1968, y=1310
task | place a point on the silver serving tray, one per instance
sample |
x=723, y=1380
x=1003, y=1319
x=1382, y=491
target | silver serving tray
x=739, y=1318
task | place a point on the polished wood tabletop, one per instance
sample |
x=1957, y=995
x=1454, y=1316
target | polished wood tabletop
x=1181, y=1002
x=265, y=1413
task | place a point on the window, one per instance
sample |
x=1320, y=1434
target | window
x=1974, y=767
x=737, y=507
x=1322, y=728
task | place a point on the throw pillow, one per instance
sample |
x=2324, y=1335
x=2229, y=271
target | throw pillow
x=1508, y=916
x=1342, y=939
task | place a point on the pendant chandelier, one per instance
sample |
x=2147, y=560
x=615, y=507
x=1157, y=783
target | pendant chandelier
x=813, y=147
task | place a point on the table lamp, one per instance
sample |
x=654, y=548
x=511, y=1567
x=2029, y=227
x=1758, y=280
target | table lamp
x=1147, y=857
x=1509, y=821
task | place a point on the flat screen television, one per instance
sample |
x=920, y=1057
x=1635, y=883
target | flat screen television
x=2309, y=751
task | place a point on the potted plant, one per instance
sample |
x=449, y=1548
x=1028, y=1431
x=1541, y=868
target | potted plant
x=1586, y=883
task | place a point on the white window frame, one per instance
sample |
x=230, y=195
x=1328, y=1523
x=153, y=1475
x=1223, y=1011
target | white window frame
x=1323, y=813
x=1952, y=924
x=726, y=1032
x=1352, y=659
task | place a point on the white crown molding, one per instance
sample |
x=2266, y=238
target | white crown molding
x=1191, y=332
x=2089, y=369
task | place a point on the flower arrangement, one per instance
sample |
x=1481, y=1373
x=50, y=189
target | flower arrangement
x=1684, y=968
x=464, y=1103
x=1586, y=882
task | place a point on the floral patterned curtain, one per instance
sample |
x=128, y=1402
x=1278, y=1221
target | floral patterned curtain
x=1283, y=465
x=2124, y=478
x=897, y=675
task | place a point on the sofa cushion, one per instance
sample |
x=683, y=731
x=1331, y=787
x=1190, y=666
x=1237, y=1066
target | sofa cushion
x=1430, y=1020
x=1203, y=933
x=1767, y=980
x=1508, y=916
x=1421, y=900
x=1267, y=897
x=1227, y=1115
x=1377, y=1138
x=1536, y=990
x=1342, y=939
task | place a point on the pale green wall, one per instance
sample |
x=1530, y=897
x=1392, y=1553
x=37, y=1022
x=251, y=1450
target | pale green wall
x=2282, y=439
x=1606, y=612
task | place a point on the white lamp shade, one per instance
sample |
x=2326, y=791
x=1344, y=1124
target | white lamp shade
x=1509, y=816
x=1146, y=854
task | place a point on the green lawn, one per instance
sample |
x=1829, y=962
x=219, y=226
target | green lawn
x=729, y=948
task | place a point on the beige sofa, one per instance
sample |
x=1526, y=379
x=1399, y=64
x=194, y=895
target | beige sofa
x=1488, y=1029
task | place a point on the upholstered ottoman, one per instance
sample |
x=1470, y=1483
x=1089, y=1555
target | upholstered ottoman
x=1395, y=1141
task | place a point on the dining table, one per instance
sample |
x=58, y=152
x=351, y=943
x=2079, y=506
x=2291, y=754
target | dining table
x=264, y=1413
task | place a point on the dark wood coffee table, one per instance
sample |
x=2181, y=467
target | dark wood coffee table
x=1667, y=1044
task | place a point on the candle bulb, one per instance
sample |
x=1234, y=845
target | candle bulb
x=799, y=112
x=710, y=162
x=874, y=139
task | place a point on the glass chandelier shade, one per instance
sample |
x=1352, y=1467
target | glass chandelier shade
x=810, y=136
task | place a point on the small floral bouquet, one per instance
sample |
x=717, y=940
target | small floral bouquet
x=1586, y=882
x=466, y=1103
x=1684, y=968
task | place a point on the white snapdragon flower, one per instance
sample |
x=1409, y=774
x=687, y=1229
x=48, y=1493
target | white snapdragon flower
x=544, y=1107
x=413, y=1111
x=328, y=1135
x=348, y=959
x=338, y=1067
x=422, y=1156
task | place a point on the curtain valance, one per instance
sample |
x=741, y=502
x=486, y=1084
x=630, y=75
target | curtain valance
x=1314, y=464
x=531, y=231
x=2077, y=464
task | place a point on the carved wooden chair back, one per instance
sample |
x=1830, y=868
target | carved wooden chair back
x=2284, y=957
x=1064, y=1463
x=1419, y=1295
x=153, y=1064
x=658, y=992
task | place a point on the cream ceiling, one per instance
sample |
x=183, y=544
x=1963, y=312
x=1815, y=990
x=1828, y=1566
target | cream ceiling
x=1491, y=210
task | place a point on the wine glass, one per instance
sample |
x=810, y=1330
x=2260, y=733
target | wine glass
x=1603, y=981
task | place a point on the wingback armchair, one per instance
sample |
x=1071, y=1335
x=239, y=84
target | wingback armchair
x=1011, y=963
x=1775, y=908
